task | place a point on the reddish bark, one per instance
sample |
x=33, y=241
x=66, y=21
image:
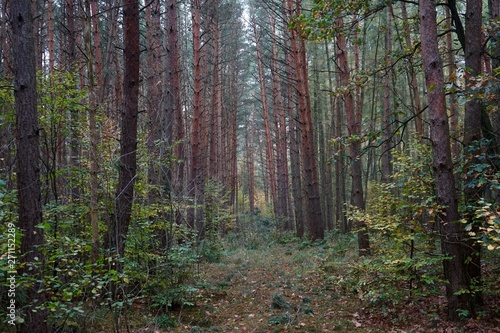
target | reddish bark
x=157, y=121
x=353, y=118
x=292, y=111
x=97, y=45
x=414, y=91
x=313, y=202
x=267, y=128
x=196, y=177
x=50, y=34
x=451, y=229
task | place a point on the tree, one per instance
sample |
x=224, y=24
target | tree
x=386, y=168
x=28, y=169
x=474, y=120
x=353, y=118
x=94, y=135
x=313, y=204
x=128, y=134
x=196, y=172
x=452, y=231
x=267, y=126
x=173, y=95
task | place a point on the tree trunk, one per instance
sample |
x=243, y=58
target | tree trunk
x=451, y=229
x=452, y=77
x=494, y=7
x=94, y=137
x=267, y=127
x=50, y=34
x=283, y=190
x=157, y=122
x=251, y=164
x=74, y=136
x=215, y=133
x=173, y=94
x=97, y=54
x=337, y=150
x=196, y=177
x=472, y=137
x=414, y=91
x=353, y=117
x=386, y=158
x=294, y=137
x=28, y=169
x=313, y=203
x=128, y=134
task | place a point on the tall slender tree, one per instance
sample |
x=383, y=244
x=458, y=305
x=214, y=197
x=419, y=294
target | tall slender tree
x=173, y=103
x=451, y=229
x=156, y=119
x=128, y=134
x=353, y=118
x=196, y=174
x=315, y=225
x=474, y=121
x=267, y=127
x=28, y=169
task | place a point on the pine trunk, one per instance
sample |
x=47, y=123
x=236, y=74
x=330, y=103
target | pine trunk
x=353, y=118
x=196, y=177
x=473, y=123
x=451, y=229
x=128, y=135
x=267, y=126
x=28, y=157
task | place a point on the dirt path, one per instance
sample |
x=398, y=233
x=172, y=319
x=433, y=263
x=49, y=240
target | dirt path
x=278, y=289
x=282, y=288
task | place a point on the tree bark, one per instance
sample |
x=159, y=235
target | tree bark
x=267, y=126
x=472, y=137
x=50, y=34
x=315, y=225
x=28, y=155
x=452, y=77
x=386, y=158
x=97, y=46
x=173, y=95
x=94, y=136
x=283, y=189
x=157, y=122
x=251, y=164
x=196, y=177
x=353, y=118
x=451, y=229
x=128, y=134
x=494, y=8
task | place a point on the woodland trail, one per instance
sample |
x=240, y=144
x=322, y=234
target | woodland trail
x=277, y=289
x=284, y=288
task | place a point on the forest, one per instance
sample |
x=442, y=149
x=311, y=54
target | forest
x=249, y=165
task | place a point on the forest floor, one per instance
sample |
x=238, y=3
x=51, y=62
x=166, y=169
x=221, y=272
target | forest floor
x=282, y=288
